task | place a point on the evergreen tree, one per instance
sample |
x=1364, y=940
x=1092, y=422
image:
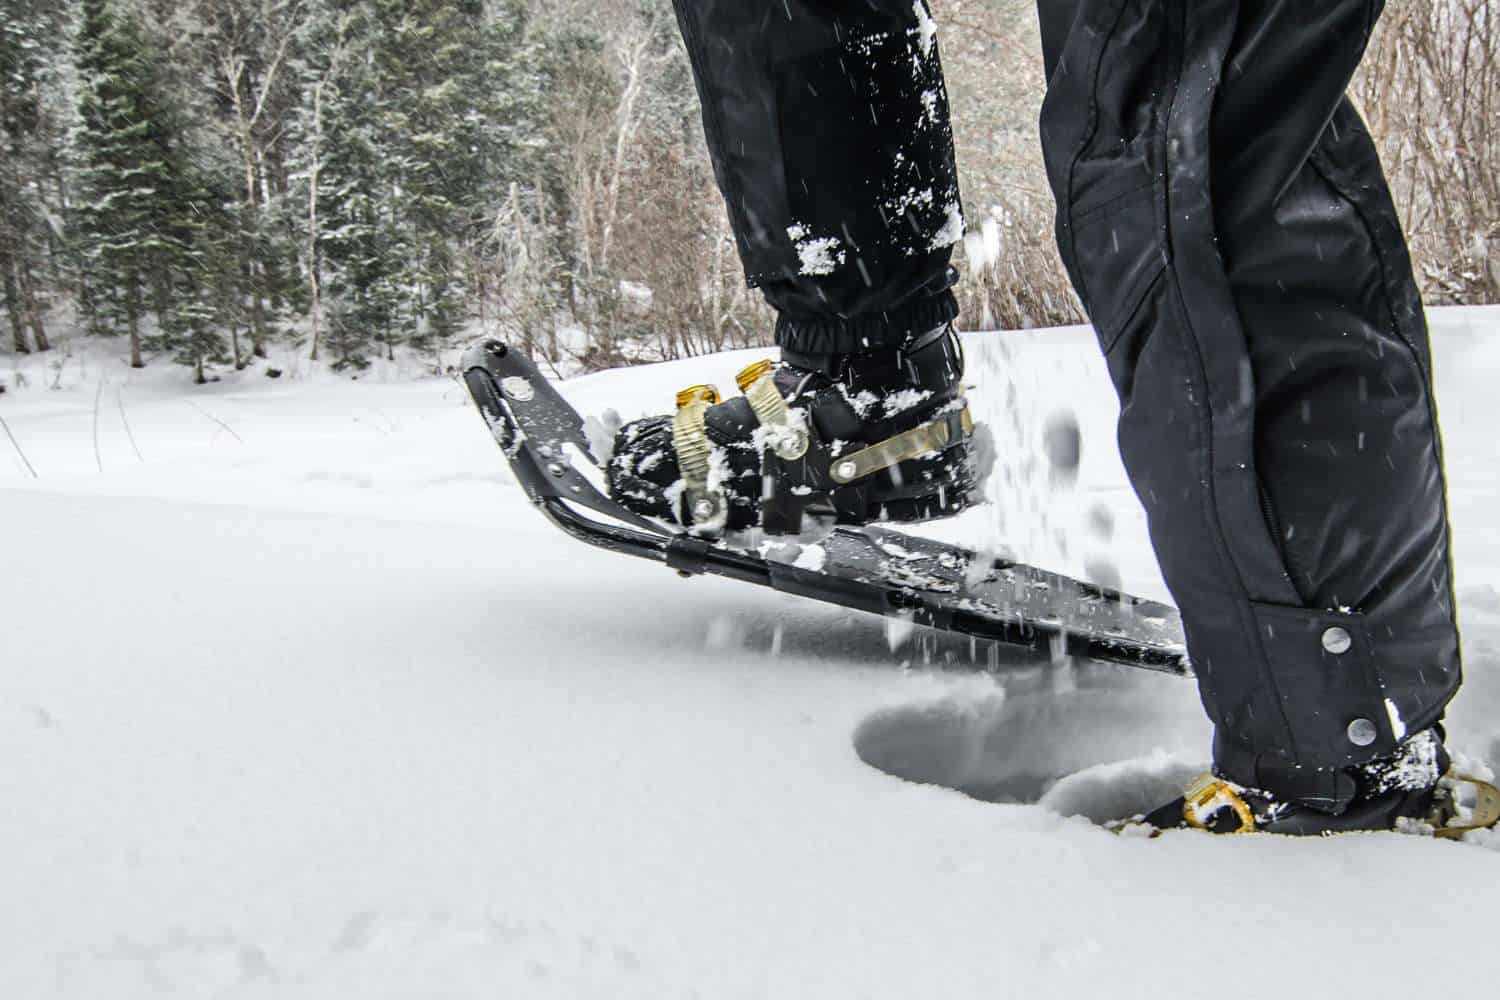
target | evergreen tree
x=408, y=138
x=205, y=281
x=29, y=135
x=130, y=170
x=354, y=249
x=454, y=99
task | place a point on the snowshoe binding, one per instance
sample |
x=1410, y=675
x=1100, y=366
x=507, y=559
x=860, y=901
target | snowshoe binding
x=816, y=440
x=1414, y=791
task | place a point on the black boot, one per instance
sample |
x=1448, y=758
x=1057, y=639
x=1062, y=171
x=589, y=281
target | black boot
x=883, y=435
x=1408, y=788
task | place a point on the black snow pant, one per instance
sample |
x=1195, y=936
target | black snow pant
x=827, y=123
x=1223, y=216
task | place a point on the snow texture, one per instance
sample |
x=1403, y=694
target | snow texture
x=926, y=27
x=819, y=254
x=952, y=231
x=301, y=698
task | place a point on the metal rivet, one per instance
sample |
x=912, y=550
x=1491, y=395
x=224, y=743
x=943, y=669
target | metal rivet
x=792, y=446
x=846, y=470
x=703, y=509
x=1338, y=641
x=556, y=470
x=517, y=388
x=1362, y=732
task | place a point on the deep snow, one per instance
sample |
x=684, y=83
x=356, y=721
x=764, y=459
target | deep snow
x=305, y=701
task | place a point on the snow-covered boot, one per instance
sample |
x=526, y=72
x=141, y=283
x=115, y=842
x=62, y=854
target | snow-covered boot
x=883, y=435
x=1412, y=789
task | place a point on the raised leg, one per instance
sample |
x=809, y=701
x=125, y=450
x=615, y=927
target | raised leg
x=827, y=121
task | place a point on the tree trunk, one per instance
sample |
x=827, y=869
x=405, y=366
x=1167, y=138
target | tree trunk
x=33, y=309
x=233, y=67
x=234, y=346
x=133, y=316
x=13, y=308
x=257, y=316
x=315, y=165
x=317, y=305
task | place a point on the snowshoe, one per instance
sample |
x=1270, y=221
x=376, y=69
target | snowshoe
x=1413, y=791
x=562, y=468
x=818, y=439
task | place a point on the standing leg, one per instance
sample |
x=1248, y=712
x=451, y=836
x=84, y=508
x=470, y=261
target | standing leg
x=1223, y=215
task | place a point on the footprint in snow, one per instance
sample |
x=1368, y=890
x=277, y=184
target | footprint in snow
x=1101, y=745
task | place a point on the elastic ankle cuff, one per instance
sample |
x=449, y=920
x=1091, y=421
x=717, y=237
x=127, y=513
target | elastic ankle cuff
x=836, y=335
x=1420, y=759
x=1327, y=790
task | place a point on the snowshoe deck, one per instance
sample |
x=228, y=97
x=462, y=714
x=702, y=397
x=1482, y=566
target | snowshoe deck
x=870, y=569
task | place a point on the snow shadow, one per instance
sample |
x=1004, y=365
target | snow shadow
x=1089, y=740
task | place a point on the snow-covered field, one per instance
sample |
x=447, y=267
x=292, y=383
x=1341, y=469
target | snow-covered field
x=298, y=698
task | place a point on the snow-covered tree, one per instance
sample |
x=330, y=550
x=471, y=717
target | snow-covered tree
x=132, y=168
x=30, y=135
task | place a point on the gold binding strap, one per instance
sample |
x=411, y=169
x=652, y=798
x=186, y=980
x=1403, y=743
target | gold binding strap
x=785, y=437
x=935, y=435
x=1486, y=809
x=1207, y=795
x=690, y=441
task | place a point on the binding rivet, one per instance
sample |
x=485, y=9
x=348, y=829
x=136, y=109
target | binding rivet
x=792, y=445
x=1362, y=732
x=557, y=470
x=847, y=470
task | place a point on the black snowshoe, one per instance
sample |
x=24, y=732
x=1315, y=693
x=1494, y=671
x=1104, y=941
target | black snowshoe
x=564, y=471
x=818, y=440
x=1413, y=791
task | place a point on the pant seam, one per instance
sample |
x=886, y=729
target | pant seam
x=1094, y=67
x=1248, y=627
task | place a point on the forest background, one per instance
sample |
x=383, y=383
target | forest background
x=206, y=178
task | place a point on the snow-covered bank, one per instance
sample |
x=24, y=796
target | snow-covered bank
x=305, y=701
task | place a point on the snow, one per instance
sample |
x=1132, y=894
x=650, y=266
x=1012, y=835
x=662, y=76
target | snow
x=952, y=230
x=926, y=26
x=307, y=702
x=982, y=246
x=818, y=254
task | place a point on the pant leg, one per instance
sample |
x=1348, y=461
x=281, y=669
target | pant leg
x=827, y=122
x=1223, y=215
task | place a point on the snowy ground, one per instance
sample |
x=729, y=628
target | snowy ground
x=298, y=698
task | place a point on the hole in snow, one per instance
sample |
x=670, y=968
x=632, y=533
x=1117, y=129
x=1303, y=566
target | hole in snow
x=1081, y=740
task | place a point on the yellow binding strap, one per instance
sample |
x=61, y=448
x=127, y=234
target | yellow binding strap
x=1486, y=809
x=784, y=434
x=705, y=508
x=1207, y=795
